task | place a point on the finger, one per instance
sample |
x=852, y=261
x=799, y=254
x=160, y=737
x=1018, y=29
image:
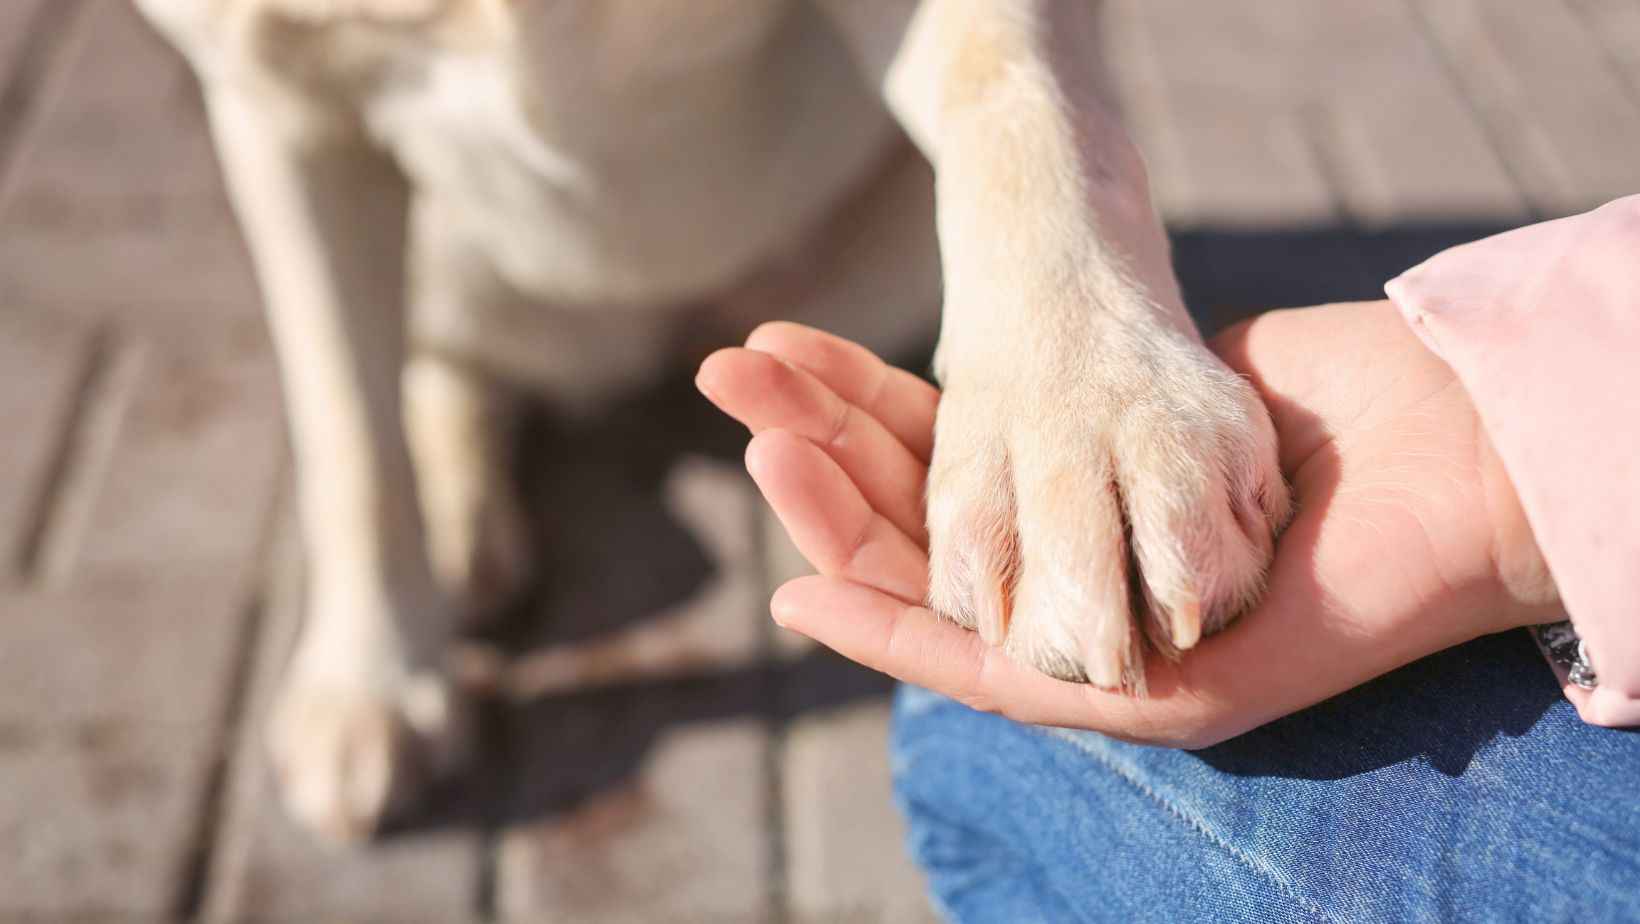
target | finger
x=764, y=391
x=901, y=401
x=830, y=521
x=910, y=643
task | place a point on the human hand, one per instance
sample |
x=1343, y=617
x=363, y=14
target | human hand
x=1409, y=538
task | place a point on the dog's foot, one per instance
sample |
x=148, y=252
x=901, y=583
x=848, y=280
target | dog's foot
x=1073, y=514
x=348, y=758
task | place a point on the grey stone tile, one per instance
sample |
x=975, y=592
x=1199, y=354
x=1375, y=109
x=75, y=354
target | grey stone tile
x=150, y=276
x=115, y=171
x=845, y=850
x=89, y=659
x=121, y=115
x=121, y=62
x=1564, y=84
x=267, y=868
x=99, y=829
x=1555, y=107
x=31, y=35
x=1239, y=155
x=1286, y=114
x=15, y=19
x=190, y=478
x=682, y=837
x=1615, y=25
x=40, y=370
x=1141, y=88
x=1400, y=144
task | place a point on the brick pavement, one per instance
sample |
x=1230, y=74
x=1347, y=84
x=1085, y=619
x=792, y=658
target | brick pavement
x=656, y=751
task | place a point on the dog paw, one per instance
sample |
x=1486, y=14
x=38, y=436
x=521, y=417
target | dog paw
x=349, y=759
x=1075, y=515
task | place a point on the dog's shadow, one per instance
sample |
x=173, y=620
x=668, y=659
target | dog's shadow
x=620, y=571
x=608, y=550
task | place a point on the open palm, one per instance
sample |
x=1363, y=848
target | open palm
x=1409, y=537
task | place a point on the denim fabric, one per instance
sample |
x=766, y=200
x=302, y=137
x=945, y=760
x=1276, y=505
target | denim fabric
x=1459, y=788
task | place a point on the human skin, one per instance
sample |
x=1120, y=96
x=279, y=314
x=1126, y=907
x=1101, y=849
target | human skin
x=1408, y=539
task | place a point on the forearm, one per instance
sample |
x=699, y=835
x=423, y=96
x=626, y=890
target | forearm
x=1042, y=194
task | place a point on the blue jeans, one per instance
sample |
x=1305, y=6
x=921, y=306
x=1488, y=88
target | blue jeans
x=1459, y=788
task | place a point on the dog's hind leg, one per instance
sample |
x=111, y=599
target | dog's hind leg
x=461, y=419
x=461, y=426
x=364, y=717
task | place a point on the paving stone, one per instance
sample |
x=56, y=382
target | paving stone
x=1565, y=84
x=269, y=869
x=40, y=371
x=119, y=60
x=845, y=846
x=116, y=172
x=1141, y=90
x=1241, y=156
x=266, y=868
x=16, y=16
x=189, y=481
x=1615, y=25
x=100, y=829
x=110, y=709
x=1555, y=106
x=1287, y=116
x=98, y=659
x=120, y=100
x=683, y=837
x=154, y=271
x=870, y=274
x=1400, y=143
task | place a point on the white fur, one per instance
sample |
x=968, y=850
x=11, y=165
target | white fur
x=442, y=195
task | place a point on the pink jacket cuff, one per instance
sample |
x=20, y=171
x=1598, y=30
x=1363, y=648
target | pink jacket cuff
x=1542, y=325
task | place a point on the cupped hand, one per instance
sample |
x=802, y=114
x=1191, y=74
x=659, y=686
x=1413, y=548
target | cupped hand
x=1408, y=539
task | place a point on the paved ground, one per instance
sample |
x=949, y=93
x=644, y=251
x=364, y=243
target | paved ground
x=660, y=753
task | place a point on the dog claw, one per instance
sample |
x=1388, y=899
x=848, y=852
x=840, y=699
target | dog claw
x=1187, y=623
x=993, y=620
x=1103, y=662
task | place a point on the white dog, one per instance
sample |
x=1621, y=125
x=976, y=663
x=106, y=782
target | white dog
x=444, y=194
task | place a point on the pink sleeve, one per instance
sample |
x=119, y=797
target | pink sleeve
x=1542, y=325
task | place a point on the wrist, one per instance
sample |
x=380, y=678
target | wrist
x=1528, y=590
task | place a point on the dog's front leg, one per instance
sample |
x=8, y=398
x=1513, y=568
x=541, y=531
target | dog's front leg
x=364, y=714
x=1095, y=469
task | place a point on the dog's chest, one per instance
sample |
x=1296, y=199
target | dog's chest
x=628, y=151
